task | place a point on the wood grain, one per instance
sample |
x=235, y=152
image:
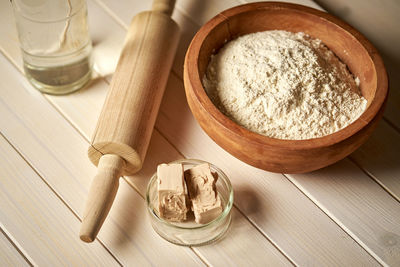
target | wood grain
x=188, y=28
x=131, y=229
x=365, y=210
x=136, y=90
x=176, y=129
x=198, y=14
x=372, y=186
x=102, y=192
x=379, y=157
x=279, y=210
x=126, y=122
x=9, y=255
x=276, y=202
x=58, y=153
x=190, y=15
x=73, y=107
x=242, y=245
x=36, y=218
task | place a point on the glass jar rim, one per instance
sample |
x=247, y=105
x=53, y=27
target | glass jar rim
x=18, y=11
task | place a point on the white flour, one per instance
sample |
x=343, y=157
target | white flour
x=283, y=85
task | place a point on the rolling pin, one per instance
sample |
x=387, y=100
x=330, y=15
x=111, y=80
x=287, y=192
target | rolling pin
x=127, y=119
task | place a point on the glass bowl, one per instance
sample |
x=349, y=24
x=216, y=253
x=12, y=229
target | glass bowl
x=189, y=233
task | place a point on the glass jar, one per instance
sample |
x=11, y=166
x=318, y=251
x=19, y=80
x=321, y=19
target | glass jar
x=55, y=43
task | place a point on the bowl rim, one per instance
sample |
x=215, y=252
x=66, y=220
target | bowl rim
x=192, y=76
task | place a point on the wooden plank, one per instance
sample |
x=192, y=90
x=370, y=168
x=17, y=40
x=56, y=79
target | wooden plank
x=383, y=165
x=131, y=234
x=9, y=255
x=120, y=210
x=379, y=156
x=198, y=15
x=73, y=107
x=359, y=205
x=175, y=130
x=178, y=130
x=186, y=129
x=202, y=11
x=261, y=194
x=373, y=187
x=188, y=14
x=39, y=220
x=242, y=245
x=9, y=39
x=241, y=248
x=125, y=11
x=58, y=153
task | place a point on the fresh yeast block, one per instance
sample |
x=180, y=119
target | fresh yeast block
x=205, y=201
x=172, y=192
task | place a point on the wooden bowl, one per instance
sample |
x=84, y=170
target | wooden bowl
x=277, y=155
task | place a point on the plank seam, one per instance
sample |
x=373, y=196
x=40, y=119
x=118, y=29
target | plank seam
x=266, y=237
x=173, y=72
x=142, y=196
x=52, y=190
x=195, y=252
x=359, y=242
x=88, y=141
x=9, y=58
x=241, y=212
x=335, y=220
x=111, y=14
x=178, y=150
x=184, y=13
x=20, y=250
x=370, y=175
x=37, y=172
x=386, y=120
x=59, y=196
x=201, y=257
x=397, y=129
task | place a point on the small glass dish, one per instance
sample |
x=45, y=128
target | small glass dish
x=189, y=233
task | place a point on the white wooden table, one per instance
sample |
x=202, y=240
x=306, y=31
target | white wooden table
x=344, y=215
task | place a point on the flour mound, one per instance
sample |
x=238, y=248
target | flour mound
x=283, y=85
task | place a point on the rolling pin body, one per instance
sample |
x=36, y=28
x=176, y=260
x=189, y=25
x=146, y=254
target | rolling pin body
x=130, y=110
x=127, y=119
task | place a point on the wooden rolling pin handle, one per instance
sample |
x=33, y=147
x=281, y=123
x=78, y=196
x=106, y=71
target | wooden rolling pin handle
x=101, y=195
x=163, y=6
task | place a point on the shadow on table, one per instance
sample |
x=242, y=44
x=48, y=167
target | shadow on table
x=379, y=156
x=128, y=211
x=129, y=202
x=249, y=202
x=239, y=226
